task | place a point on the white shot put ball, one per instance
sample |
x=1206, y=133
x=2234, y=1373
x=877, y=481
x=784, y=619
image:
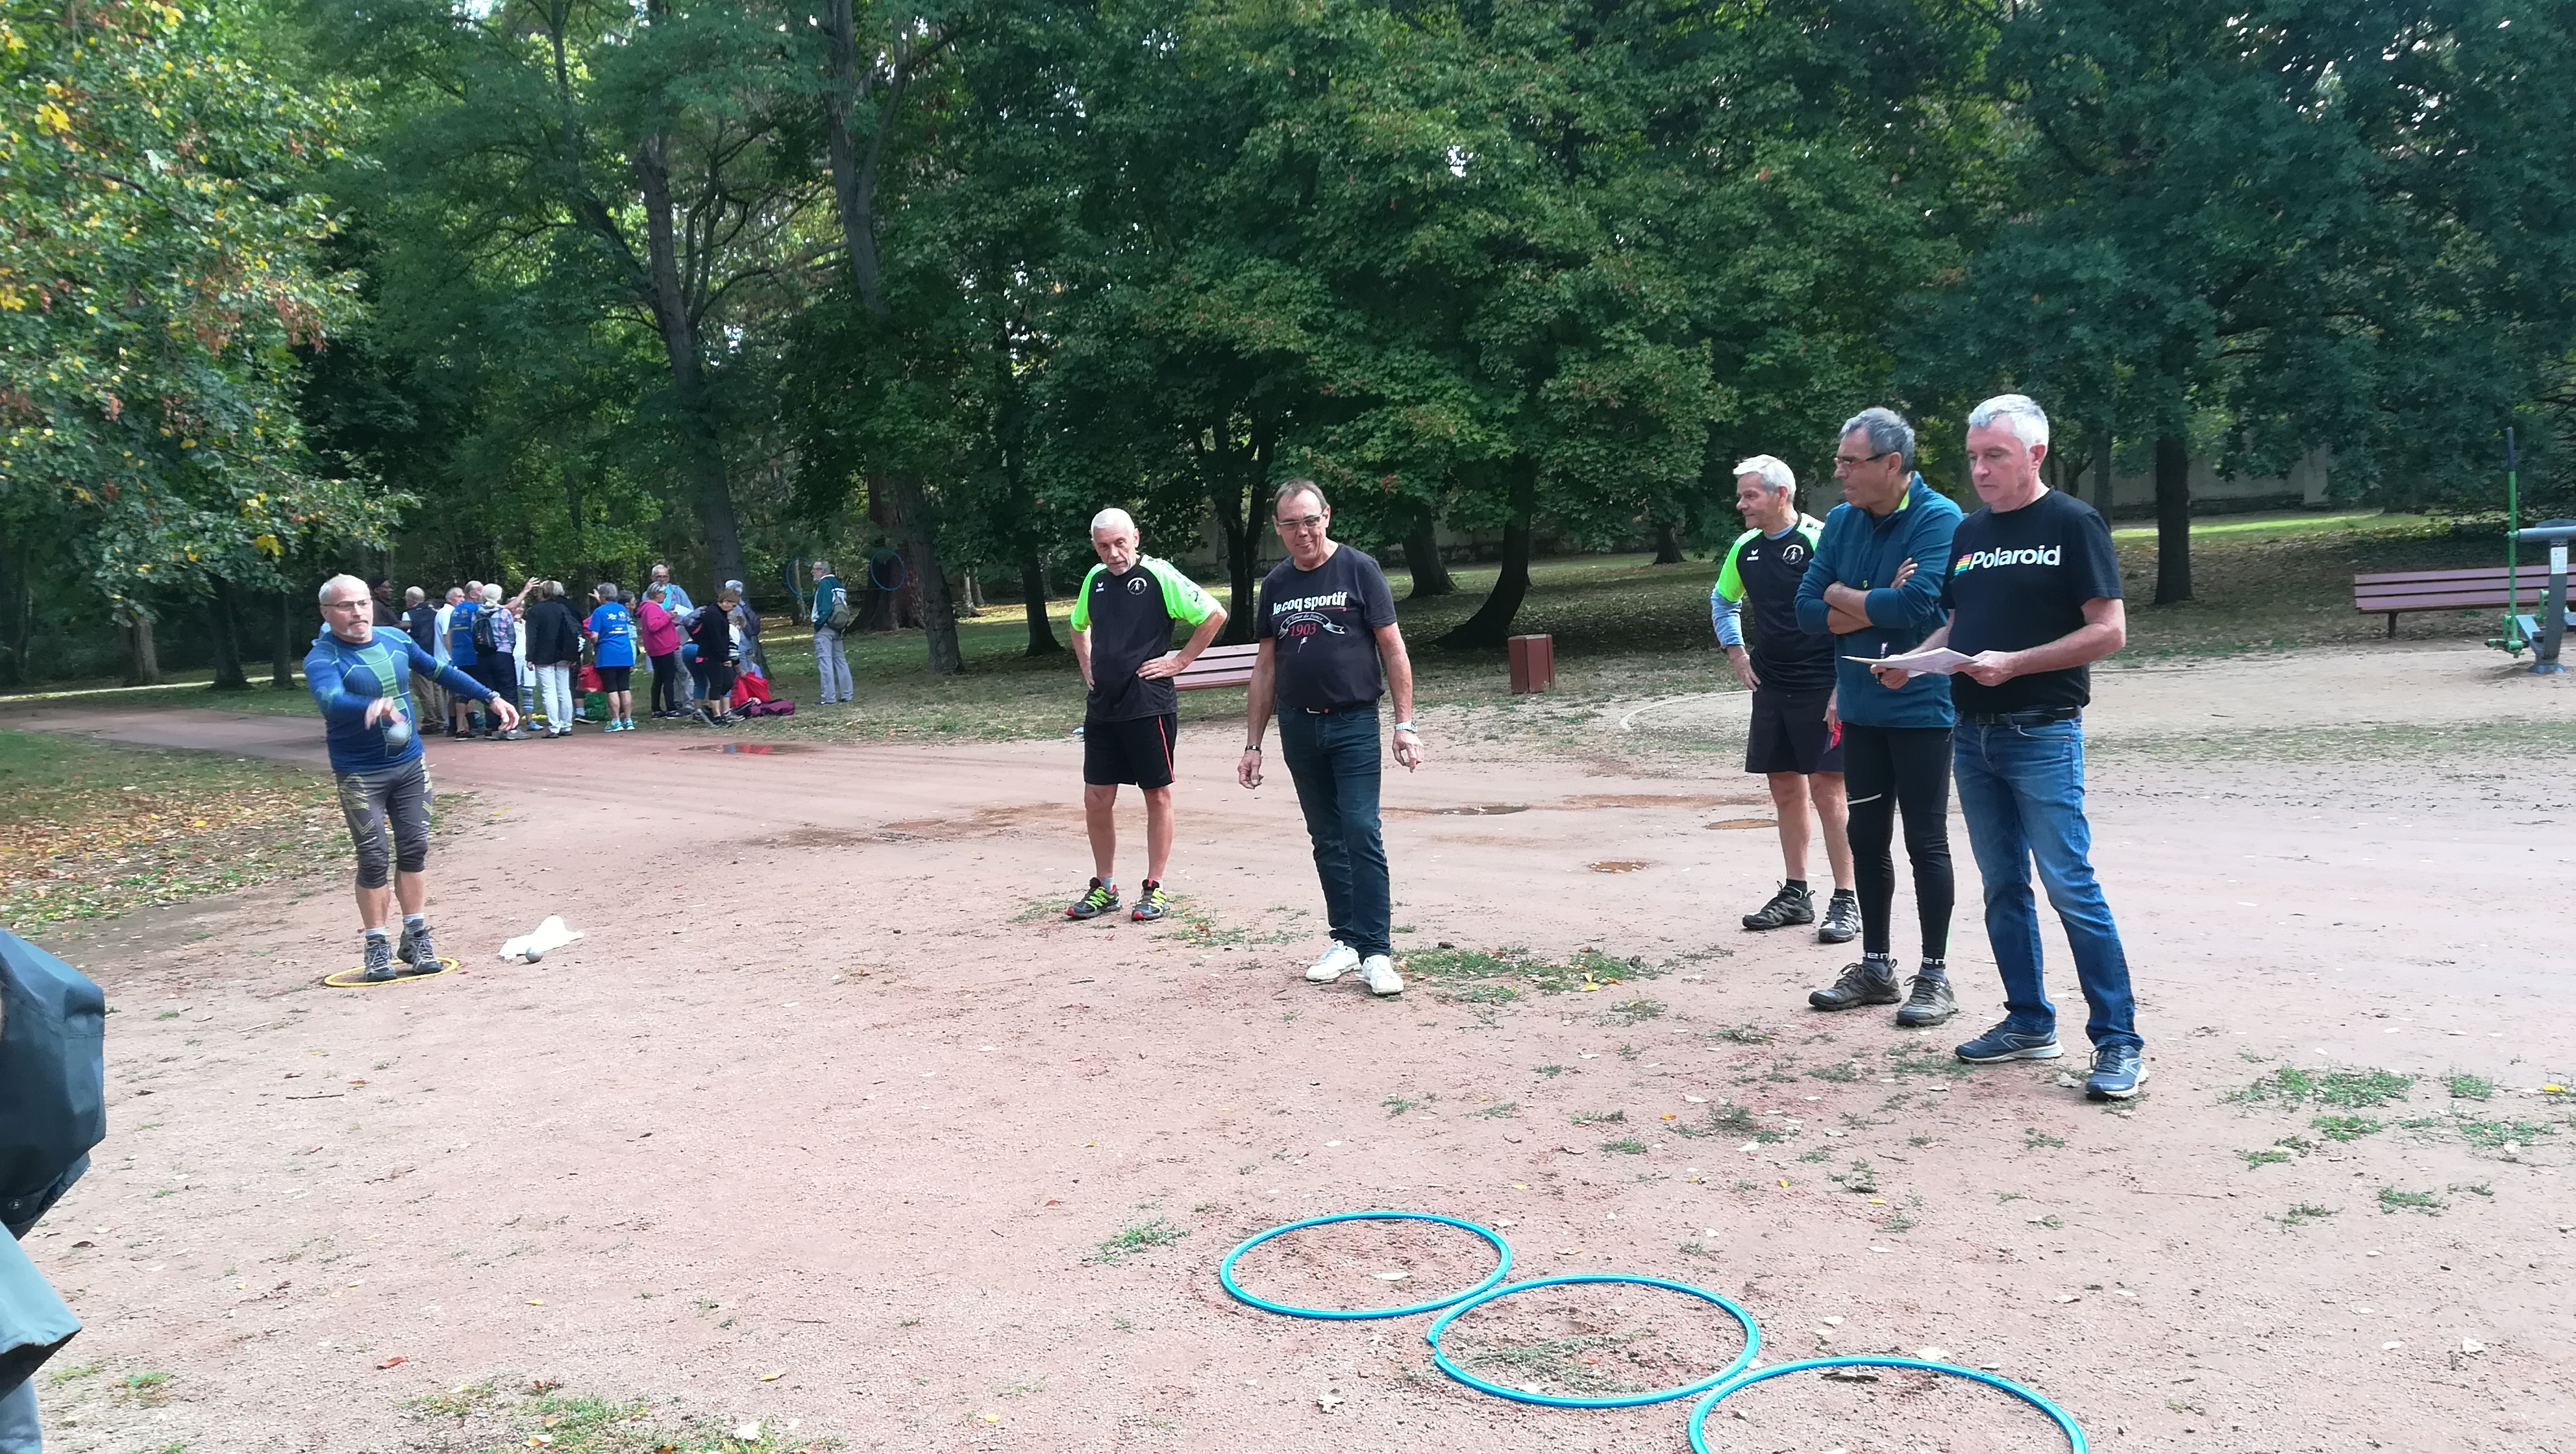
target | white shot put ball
x=533, y=955
x=397, y=733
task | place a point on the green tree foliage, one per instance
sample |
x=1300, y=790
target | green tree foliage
x=159, y=272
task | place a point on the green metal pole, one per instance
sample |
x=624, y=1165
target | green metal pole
x=2513, y=641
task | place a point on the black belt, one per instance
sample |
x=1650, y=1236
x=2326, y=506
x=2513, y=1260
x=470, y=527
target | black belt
x=1342, y=707
x=2034, y=717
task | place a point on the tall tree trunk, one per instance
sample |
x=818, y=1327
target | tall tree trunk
x=281, y=652
x=1042, y=640
x=2102, y=490
x=142, y=653
x=1235, y=526
x=229, y=676
x=2173, y=521
x=702, y=463
x=17, y=587
x=854, y=186
x=1422, y=557
x=1492, y=622
x=1668, y=544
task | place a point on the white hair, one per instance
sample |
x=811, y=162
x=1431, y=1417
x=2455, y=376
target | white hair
x=1775, y=475
x=1113, y=518
x=2016, y=412
x=491, y=595
x=324, y=595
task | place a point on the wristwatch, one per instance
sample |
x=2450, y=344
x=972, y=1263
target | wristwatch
x=1406, y=727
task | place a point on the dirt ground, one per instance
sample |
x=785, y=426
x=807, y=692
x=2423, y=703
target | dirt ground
x=832, y=1123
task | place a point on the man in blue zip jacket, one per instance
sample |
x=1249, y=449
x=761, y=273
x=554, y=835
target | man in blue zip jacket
x=359, y=676
x=1875, y=583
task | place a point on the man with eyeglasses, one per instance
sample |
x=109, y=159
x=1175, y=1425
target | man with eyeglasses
x=2033, y=598
x=1329, y=650
x=358, y=675
x=1875, y=583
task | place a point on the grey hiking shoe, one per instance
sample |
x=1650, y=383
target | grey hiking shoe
x=417, y=951
x=380, y=961
x=1870, y=982
x=1790, y=905
x=1842, y=918
x=1927, y=1002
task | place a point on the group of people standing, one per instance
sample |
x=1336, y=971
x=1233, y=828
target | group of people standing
x=529, y=649
x=1897, y=644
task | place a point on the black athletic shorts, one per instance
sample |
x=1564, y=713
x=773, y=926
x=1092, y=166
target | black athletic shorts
x=1789, y=735
x=615, y=678
x=1138, y=750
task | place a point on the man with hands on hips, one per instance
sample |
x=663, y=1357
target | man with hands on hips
x=1330, y=649
x=2033, y=598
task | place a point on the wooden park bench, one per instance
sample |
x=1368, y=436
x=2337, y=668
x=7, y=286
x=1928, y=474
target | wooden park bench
x=2394, y=593
x=1219, y=666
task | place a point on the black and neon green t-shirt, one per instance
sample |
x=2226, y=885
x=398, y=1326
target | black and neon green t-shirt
x=1765, y=570
x=1130, y=619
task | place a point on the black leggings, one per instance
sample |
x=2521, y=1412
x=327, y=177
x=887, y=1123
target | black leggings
x=666, y=682
x=1885, y=769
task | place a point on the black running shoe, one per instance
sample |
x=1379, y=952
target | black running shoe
x=417, y=951
x=1842, y=918
x=1927, y=1001
x=1789, y=906
x=1100, y=899
x=1870, y=982
x=1151, y=904
x=380, y=961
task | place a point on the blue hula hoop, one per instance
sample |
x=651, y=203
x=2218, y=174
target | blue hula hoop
x=1225, y=1269
x=2065, y=1421
x=1752, y=1344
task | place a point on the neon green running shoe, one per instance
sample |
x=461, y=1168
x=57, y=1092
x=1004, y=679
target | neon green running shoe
x=1151, y=904
x=1101, y=899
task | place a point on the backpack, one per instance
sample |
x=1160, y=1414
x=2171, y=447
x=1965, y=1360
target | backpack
x=53, y=1075
x=841, y=615
x=484, y=640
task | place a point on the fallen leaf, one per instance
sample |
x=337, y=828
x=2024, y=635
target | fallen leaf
x=394, y=1362
x=773, y=1376
x=536, y=1302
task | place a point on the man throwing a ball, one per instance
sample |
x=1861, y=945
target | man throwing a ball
x=360, y=677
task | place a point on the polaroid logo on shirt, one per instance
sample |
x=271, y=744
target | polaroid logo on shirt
x=1982, y=559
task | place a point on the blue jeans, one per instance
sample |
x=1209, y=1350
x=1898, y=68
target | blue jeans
x=2022, y=791
x=1334, y=758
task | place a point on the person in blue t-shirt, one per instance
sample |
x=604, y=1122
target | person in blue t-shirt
x=359, y=676
x=611, y=630
x=463, y=720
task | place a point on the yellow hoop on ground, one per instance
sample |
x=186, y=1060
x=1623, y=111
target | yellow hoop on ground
x=347, y=979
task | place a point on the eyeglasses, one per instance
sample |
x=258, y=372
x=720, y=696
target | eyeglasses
x=1846, y=461
x=1302, y=522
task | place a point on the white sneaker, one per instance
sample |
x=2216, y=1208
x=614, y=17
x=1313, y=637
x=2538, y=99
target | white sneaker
x=1378, y=972
x=1339, y=960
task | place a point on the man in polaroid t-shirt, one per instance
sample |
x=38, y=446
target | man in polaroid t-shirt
x=1329, y=649
x=2033, y=592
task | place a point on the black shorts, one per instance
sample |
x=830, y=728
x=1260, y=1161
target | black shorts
x=1138, y=750
x=1788, y=733
x=615, y=678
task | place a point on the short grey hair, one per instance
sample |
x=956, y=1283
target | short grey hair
x=1775, y=475
x=824, y=566
x=1112, y=518
x=1887, y=430
x=1294, y=488
x=323, y=596
x=413, y=595
x=734, y=586
x=2017, y=412
x=608, y=592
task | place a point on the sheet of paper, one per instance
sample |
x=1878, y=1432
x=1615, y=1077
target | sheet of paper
x=1940, y=661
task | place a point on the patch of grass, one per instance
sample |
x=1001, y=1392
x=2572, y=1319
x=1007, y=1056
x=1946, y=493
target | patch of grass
x=2492, y=1135
x=89, y=830
x=482, y=1417
x=1477, y=976
x=1919, y=1057
x=2051, y=1220
x=2476, y=1189
x=1730, y=1122
x=1897, y=1222
x=2391, y=1199
x=2301, y=1214
x=2291, y=1086
x=1137, y=1238
x=2467, y=1087
x=2033, y=1138
x=1552, y=1070
x=2268, y=1156
x=1860, y=1178
x=1395, y=1105
x=1629, y=1012
x=77, y=1370
x=2346, y=1128
x=1499, y=1111
x=1629, y=1052
x=1742, y=1035
x=1599, y=1118
x=1838, y=1074
x=1820, y=1154
x=1625, y=1146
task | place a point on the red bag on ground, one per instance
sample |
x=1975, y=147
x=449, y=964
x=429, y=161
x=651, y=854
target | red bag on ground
x=589, y=679
x=748, y=688
x=776, y=707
